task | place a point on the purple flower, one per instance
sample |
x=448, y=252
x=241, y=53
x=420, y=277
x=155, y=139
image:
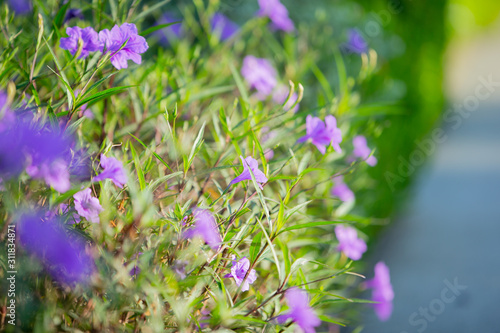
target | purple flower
x=260, y=74
x=382, y=291
x=278, y=14
x=88, y=37
x=113, y=169
x=280, y=95
x=300, y=311
x=222, y=26
x=239, y=271
x=355, y=43
x=87, y=206
x=44, y=151
x=55, y=173
x=361, y=150
x=250, y=164
x=170, y=33
x=113, y=40
x=179, y=268
x=48, y=150
x=21, y=7
x=341, y=190
x=73, y=13
x=349, y=242
x=63, y=256
x=136, y=270
x=7, y=117
x=205, y=227
x=322, y=135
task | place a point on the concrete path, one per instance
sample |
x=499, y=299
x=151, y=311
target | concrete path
x=444, y=252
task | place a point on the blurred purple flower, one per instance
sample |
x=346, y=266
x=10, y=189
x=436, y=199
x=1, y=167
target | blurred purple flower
x=136, y=270
x=280, y=95
x=250, y=164
x=63, y=256
x=362, y=151
x=382, y=291
x=21, y=7
x=300, y=312
x=55, y=173
x=322, y=135
x=355, y=43
x=349, y=242
x=112, y=41
x=73, y=13
x=223, y=26
x=278, y=14
x=260, y=74
x=266, y=136
x=205, y=227
x=44, y=151
x=179, y=268
x=12, y=157
x=341, y=190
x=88, y=37
x=87, y=206
x=113, y=169
x=167, y=35
x=238, y=272
x=49, y=153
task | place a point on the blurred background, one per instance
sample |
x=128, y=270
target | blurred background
x=442, y=247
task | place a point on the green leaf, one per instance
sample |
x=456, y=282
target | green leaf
x=101, y=95
x=280, y=221
x=155, y=154
x=95, y=85
x=310, y=225
x=251, y=319
x=273, y=251
x=138, y=169
x=61, y=13
x=150, y=10
x=239, y=82
x=286, y=256
x=255, y=246
x=72, y=128
x=195, y=149
x=154, y=184
x=157, y=27
x=330, y=320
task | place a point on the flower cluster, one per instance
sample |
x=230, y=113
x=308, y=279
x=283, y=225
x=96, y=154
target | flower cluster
x=149, y=224
x=122, y=42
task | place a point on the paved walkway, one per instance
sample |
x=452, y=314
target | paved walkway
x=444, y=251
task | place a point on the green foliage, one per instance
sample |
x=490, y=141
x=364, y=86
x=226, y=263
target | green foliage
x=179, y=122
